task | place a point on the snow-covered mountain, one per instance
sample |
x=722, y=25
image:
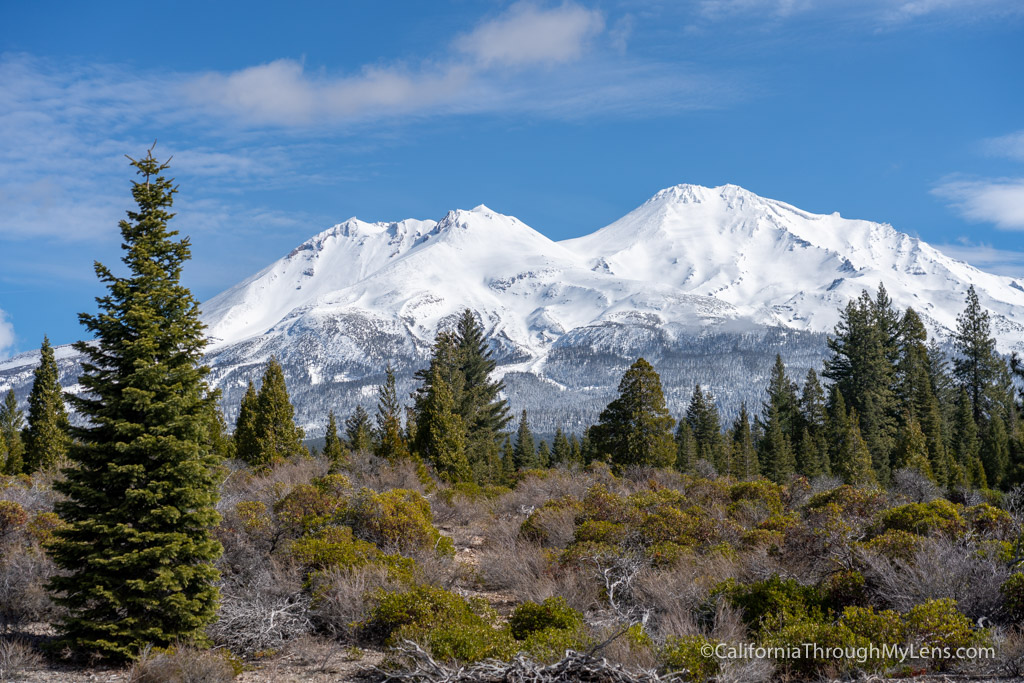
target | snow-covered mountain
x=707, y=283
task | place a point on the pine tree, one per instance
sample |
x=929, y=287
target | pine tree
x=524, y=453
x=862, y=365
x=561, y=449
x=912, y=450
x=853, y=459
x=686, y=447
x=543, y=454
x=976, y=366
x=481, y=407
x=390, y=444
x=277, y=437
x=334, y=451
x=744, y=456
x=995, y=450
x=441, y=432
x=778, y=462
x=966, y=447
x=358, y=433
x=702, y=417
x=46, y=440
x=246, y=442
x=11, y=422
x=636, y=428
x=812, y=452
x=577, y=449
x=136, y=551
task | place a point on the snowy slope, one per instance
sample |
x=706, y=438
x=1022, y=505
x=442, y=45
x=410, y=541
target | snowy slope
x=708, y=283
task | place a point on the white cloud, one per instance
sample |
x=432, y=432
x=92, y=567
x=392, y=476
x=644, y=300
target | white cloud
x=1010, y=146
x=527, y=35
x=986, y=257
x=999, y=201
x=6, y=335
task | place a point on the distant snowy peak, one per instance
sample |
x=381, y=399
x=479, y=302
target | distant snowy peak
x=688, y=257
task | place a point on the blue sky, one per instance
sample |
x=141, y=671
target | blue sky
x=284, y=118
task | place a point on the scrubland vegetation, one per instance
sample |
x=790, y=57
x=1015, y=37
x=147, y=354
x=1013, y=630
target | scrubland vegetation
x=430, y=541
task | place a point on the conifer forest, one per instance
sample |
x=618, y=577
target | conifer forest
x=865, y=520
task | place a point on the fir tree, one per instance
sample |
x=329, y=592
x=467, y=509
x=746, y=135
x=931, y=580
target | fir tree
x=744, y=456
x=46, y=440
x=577, y=449
x=524, y=453
x=976, y=366
x=390, y=444
x=11, y=422
x=686, y=447
x=812, y=453
x=852, y=461
x=481, y=407
x=636, y=428
x=912, y=450
x=995, y=450
x=358, y=433
x=277, y=437
x=136, y=551
x=862, y=365
x=561, y=449
x=776, y=456
x=543, y=454
x=246, y=442
x=702, y=417
x=334, y=451
x=966, y=447
x=441, y=432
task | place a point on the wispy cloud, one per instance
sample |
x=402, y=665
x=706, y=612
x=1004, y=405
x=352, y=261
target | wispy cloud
x=1010, y=146
x=527, y=35
x=999, y=261
x=873, y=14
x=999, y=201
x=6, y=335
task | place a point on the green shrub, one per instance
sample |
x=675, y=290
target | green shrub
x=534, y=527
x=42, y=525
x=939, y=624
x=846, y=588
x=938, y=515
x=685, y=656
x=451, y=627
x=774, y=596
x=12, y=517
x=555, y=612
x=989, y=520
x=307, y=508
x=334, y=546
x=761, y=491
x=848, y=501
x=1013, y=597
x=895, y=544
x=399, y=519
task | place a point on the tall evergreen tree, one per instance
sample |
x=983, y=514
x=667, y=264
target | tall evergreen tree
x=136, y=552
x=525, y=453
x=543, y=454
x=246, y=442
x=702, y=416
x=277, y=437
x=778, y=462
x=686, y=447
x=852, y=461
x=912, y=450
x=862, y=366
x=977, y=367
x=358, y=432
x=812, y=452
x=11, y=422
x=561, y=449
x=389, y=441
x=334, y=450
x=46, y=440
x=966, y=446
x=441, y=431
x=481, y=405
x=636, y=428
x=744, y=455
